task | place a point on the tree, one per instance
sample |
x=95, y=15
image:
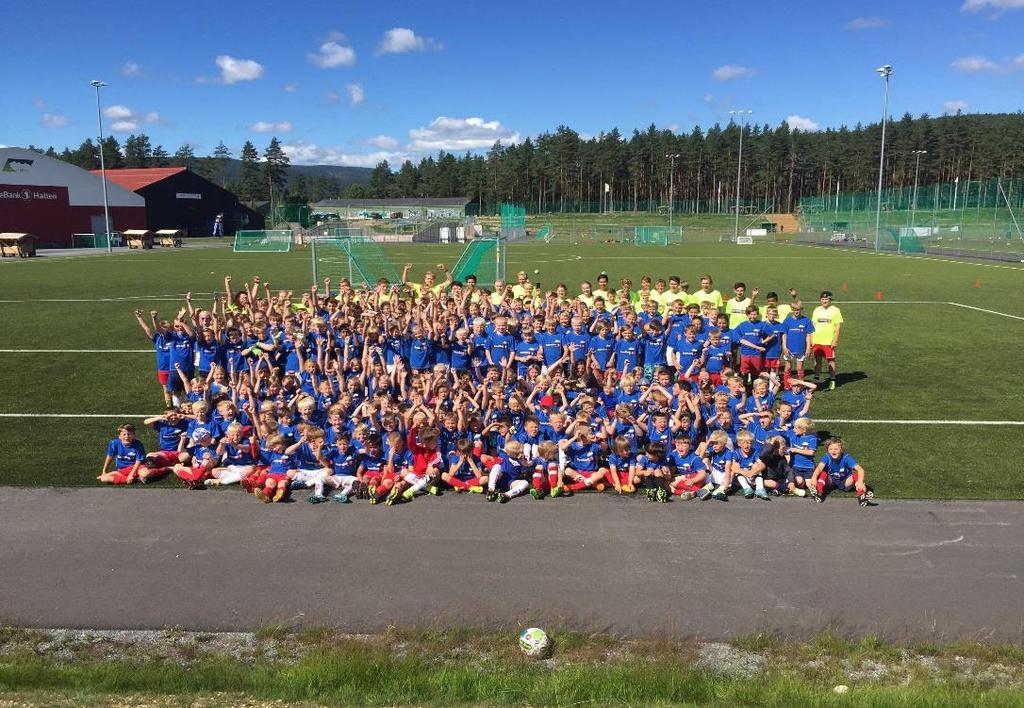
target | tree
x=275, y=166
x=184, y=156
x=381, y=180
x=85, y=156
x=137, y=151
x=221, y=159
x=113, y=159
x=160, y=158
x=251, y=186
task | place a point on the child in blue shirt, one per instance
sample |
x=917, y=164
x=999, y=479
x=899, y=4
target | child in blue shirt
x=838, y=471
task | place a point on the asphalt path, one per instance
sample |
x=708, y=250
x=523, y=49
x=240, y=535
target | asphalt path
x=219, y=560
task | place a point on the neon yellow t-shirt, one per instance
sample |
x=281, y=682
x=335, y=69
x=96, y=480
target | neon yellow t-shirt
x=825, y=321
x=737, y=311
x=714, y=297
x=668, y=297
x=587, y=300
x=784, y=311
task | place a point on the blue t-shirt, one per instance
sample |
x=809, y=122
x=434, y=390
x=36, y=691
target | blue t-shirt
x=552, y=346
x=795, y=330
x=162, y=347
x=839, y=469
x=601, y=348
x=582, y=458
x=622, y=462
x=719, y=461
x=773, y=346
x=802, y=462
x=627, y=354
x=752, y=332
x=685, y=464
x=717, y=357
x=342, y=463
x=654, y=348
x=687, y=352
x=240, y=454
x=419, y=352
x=578, y=343
x=746, y=460
x=169, y=435
x=126, y=455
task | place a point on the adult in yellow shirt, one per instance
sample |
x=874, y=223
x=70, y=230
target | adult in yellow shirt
x=675, y=291
x=736, y=306
x=827, y=321
x=707, y=293
x=772, y=299
x=586, y=295
x=429, y=283
x=519, y=289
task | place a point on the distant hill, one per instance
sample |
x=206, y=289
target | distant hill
x=344, y=175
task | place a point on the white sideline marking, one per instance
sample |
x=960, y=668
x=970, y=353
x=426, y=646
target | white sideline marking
x=127, y=298
x=852, y=421
x=76, y=351
x=982, y=309
x=817, y=420
x=950, y=259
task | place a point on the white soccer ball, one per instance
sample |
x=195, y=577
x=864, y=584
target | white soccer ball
x=841, y=689
x=536, y=271
x=534, y=642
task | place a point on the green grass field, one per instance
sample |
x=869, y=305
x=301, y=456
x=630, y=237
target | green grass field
x=910, y=357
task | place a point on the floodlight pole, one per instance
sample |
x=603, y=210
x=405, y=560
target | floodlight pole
x=96, y=84
x=739, y=167
x=956, y=187
x=913, y=204
x=885, y=72
x=671, y=188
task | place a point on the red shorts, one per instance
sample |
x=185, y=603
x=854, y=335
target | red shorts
x=751, y=364
x=716, y=379
x=591, y=473
x=121, y=475
x=771, y=364
x=822, y=350
x=162, y=377
x=164, y=458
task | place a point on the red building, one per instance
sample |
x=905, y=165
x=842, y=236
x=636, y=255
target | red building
x=54, y=199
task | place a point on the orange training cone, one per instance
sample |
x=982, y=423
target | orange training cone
x=977, y=282
x=878, y=295
x=845, y=287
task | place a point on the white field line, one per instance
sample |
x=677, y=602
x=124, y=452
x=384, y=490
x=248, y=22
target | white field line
x=127, y=298
x=76, y=351
x=852, y=421
x=930, y=302
x=817, y=420
x=951, y=259
x=982, y=309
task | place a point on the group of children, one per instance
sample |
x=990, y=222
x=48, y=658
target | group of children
x=388, y=392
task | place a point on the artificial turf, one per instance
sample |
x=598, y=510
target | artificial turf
x=905, y=353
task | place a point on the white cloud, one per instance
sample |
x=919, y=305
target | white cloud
x=54, y=120
x=998, y=7
x=866, y=23
x=124, y=126
x=807, y=125
x=152, y=117
x=457, y=134
x=39, y=103
x=355, y=94
x=118, y=111
x=131, y=70
x=384, y=142
x=264, y=126
x=728, y=72
x=331, y=55
x=400, y=40
x=233, y=70
x=290, y=87
x=980, y=64
x=301, y=153
x=954, y=106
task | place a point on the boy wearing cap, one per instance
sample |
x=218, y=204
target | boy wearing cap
x=827, y=321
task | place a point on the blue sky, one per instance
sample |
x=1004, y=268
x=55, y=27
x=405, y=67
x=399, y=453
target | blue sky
x=351, y=83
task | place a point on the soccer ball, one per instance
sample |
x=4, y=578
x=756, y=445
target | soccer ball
x=535, y=642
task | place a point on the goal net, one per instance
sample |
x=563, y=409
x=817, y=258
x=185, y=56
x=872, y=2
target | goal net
x=279, y=241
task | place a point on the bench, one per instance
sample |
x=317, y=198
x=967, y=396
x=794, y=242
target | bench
x=170, y=238
x=17, y=245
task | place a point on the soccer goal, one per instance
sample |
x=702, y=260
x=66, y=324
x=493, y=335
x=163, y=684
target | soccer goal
x=275, y=241
x=357, y=258
x=605, y=233
x=483, y=257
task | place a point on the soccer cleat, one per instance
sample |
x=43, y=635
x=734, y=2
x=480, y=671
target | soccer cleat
x=316, y=499
x=650, y=494
x=719, y=494
x=761, y=494
x=492, y=496
x=374, y=499
x=296, y=484
x=687, y=496
x=536, y=493
x=817, y=497
x=341, y=498
x=371, y=491
x=748, y=493
x=800, y=492
x=862, y=499
x=628, y=489
x=433, y=490
x=503, y=498
x=261, y=495
x=211, y=482
x=392, y=496
x=556, y=492
x=408, y=495
x=476, y=489
x=661, y=495
x=279, y=494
